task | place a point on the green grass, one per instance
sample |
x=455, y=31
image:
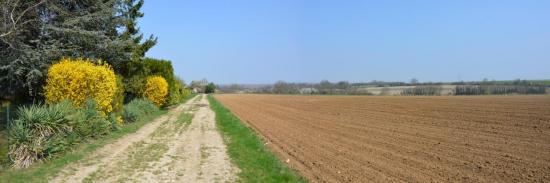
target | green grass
x=40, y=172
x=3, y=150
x=257, y=163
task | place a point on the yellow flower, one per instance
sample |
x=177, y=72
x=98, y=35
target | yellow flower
x=78, y=80
x=156, y=90
x=119, y=121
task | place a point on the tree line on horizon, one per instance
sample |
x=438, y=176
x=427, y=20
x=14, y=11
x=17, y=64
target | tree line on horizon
x=414, y=87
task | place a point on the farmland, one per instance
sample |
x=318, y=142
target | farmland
x=404, y=139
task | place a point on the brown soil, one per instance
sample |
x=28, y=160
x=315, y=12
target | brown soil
x=404, y=139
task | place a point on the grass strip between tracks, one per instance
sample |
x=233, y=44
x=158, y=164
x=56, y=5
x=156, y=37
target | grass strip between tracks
x=257, y=163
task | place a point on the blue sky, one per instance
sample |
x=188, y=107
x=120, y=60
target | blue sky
x=262, y=41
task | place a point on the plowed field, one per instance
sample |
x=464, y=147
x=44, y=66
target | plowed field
x=404, y=139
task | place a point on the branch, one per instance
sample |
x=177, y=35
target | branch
x=15, y=21
x=29, y=8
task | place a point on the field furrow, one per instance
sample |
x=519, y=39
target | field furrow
x=404, y=139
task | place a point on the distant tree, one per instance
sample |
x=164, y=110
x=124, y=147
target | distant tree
x=343, y=87
x=325, y=87
x=281, y=87
x=414, y=81
x=210, y=88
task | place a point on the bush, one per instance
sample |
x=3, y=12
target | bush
x=134, y=85
x=210, y=88
x=138, y=71
x=79, y=80
x=156, y=90
x=186, y=92
x=178, y=93
x=42, y=131
x=118, y=100
x=31, y=136
x=91, y=123
x=138, y=108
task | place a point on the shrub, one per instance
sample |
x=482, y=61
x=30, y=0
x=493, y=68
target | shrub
x=138, y=108
x=186, y=92
x=178, y=93
x=79, y=80
x=118, y=100
x=91, y=123
x=42, y=131
x=134, y=85
x=32, y=135
x=138, y=71
x=156, y=90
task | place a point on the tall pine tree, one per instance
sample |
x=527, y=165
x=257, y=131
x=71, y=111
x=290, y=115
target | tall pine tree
x=130, y=11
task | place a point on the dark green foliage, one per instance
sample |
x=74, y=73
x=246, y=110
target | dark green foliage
x=46, y=31
x=210, y=88
x=247, y=151
x=149, y=67
x=137, y=109
x=118, y=101
x=130, y=12
x=178, y=93
x=42, y=131
x=137, y=72
x=423, y=90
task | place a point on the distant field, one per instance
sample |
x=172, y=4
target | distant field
x=404, y=139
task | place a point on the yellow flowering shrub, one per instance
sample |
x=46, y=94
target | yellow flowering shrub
x=78, y=80
x=156, y=90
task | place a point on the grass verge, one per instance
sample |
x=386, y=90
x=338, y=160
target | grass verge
x=41, y=171
x=3, y=150
x=257, y=163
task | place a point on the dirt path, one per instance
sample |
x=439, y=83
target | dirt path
x=181, y=146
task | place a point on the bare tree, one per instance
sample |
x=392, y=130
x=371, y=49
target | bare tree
x=282, y=87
